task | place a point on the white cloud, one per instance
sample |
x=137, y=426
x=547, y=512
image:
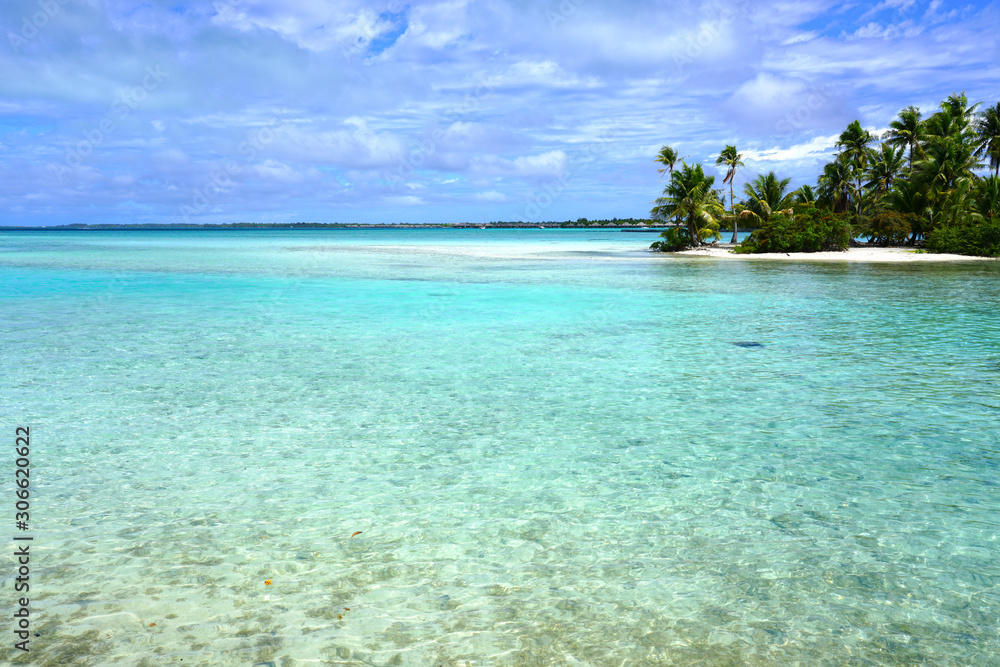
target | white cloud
x=491, y=196
x=354, y=145
x=315, y=26
x=272, y=170
x=899, y=6
x=815, y=147
x=875, y=30
x=404, y=200
x=543, y=73
x=436, y=25
x=934, y=15
x=776, y=104
x=546, y=165
x=800, y=38
x=871, y=30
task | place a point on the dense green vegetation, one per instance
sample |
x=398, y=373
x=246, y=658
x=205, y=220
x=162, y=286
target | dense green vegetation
x=981, y=239
x=931, y=181
x=802, y=229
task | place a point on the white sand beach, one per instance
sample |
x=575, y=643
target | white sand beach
x=724, y=251
x=563, y=250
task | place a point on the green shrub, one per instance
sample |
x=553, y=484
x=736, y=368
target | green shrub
x=674, y=239
x=970, y=239
x=886, y=227
x=807, y=230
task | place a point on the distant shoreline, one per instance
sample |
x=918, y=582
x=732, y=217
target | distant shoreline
x=597, y=224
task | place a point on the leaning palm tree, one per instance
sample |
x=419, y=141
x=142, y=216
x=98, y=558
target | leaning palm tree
x=690, y=198
x=668, y=158
x=907, y=130
x=988, y=137
x=732, y=160
x=766, y=195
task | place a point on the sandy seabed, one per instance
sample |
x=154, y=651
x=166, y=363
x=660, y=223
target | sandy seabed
x=724, y=251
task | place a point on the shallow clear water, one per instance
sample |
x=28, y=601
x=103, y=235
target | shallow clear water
x=554, y=451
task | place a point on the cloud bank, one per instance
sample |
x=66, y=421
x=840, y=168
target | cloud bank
x=443, y=110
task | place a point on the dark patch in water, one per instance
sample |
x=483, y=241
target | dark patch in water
x=748, y=343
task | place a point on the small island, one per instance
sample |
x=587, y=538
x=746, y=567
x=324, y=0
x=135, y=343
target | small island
x=915, y=187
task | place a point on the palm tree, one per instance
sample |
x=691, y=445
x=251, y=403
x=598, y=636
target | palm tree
x=805, y=195
x=957, y=105
x=941, y=125
x=948, y=159
x=836, y=186
x=853, y=143
x=988, y=137
x=988, y=197
x=950, y=148
x=689, y=197
x=732, y=160
x=766, y=195
x=910, y=199
x=959, y=206
x=886, y=164
x=668, y=158
x=907, y=130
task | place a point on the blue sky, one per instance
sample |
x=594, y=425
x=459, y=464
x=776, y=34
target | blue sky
x=445, y=110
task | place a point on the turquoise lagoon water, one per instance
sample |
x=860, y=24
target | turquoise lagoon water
x=553, y=450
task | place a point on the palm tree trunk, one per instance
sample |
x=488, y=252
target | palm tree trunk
x=732, y=212
x=857, y=215
x=693, y=232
